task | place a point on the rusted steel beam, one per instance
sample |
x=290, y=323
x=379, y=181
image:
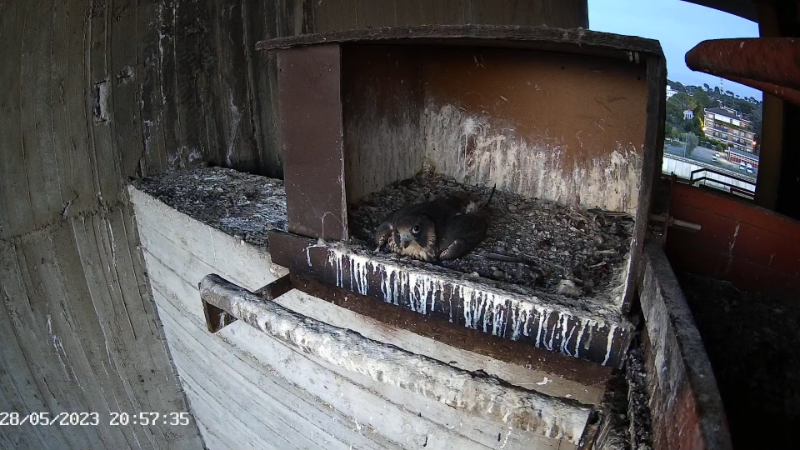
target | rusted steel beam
x=473, y=394
x=587, y=331
x=769, y=64
x=311, y=126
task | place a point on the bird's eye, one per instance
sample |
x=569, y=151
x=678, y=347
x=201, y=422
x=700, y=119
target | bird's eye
x=415, y=230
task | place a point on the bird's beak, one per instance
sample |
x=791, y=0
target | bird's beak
x=405, y=240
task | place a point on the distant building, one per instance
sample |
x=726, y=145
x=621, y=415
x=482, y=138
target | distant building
x=727, y=126
x=670, y=92
x=738, y=157
x=688, y=114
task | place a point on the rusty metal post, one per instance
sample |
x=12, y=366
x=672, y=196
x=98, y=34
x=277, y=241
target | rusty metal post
x=769, y=64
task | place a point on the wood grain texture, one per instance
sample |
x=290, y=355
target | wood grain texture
x=337, y=15
x=83, y=336
x=686, y=406
x=468, y=393
x=239, y=380
x=95, y=93
x=533, y=37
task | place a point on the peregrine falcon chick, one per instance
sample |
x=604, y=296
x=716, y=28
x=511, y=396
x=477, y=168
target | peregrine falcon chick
x=446, y=228
x=465, y=231
x=413, y=230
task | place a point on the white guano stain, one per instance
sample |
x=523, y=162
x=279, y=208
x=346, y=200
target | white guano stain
x=492, y=155
x=483, y=308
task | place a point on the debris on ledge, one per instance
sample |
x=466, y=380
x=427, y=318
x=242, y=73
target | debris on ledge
x=532, y=243
x=239, y=204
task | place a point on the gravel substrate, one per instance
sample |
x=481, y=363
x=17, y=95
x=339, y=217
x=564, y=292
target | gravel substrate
x=752, y=341
x=239, y=204
x=533, y=243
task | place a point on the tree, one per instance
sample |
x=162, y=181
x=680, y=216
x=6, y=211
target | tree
x=691, y=143
x=707, y=87
x=702, y=99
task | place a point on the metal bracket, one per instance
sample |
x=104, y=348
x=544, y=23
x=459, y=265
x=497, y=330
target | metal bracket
x=218, y=318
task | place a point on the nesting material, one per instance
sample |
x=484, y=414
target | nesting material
x=532, y=243
x=239, y=204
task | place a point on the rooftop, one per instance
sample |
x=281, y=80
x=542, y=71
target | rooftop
x=745, y=154
x=723, y=112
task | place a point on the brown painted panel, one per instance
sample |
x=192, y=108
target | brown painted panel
x=382, y=99
x=540, y=124
x=587, y=103
x=755, y=249
x=311, y=131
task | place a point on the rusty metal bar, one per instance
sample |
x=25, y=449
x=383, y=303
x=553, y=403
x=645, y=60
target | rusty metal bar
x=589, y=332
x=217, y=318
x=770, y=64
x=473, y=394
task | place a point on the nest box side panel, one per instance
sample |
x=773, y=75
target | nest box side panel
x=382, y=96
x=563, y=127
x=311, y=133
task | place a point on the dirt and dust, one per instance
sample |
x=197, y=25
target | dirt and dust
x=239, y=204
x=752, y=342
x=530, y=242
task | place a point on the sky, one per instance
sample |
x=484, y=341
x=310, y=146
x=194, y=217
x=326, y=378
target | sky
x=679, y=26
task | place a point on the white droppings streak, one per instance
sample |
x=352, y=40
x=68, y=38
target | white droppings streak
x=484, y=308
x=580, y=337
x=544, y=316
x=610, y=341
x=566, y=336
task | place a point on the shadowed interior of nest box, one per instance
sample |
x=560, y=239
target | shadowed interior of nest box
x=557, y=133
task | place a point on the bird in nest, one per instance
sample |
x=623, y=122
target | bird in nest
x=440, y=229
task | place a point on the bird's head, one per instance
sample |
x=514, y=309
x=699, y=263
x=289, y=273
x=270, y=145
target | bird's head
x=416, y=229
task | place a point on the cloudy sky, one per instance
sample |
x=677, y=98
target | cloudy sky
x=679, y=26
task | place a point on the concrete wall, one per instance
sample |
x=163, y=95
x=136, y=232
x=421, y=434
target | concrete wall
x=94, y=93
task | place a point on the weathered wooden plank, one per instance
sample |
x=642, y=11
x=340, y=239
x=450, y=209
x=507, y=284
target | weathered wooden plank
x=686, y=406
x=533, y=37
x=16, y=214
x=473, y=395
x=410, y=420
x=538, y=379
x=235, y=372
x=650, y=171
x=40, y=161
x=99, y=102
x=595, y=333
x=42, y=350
